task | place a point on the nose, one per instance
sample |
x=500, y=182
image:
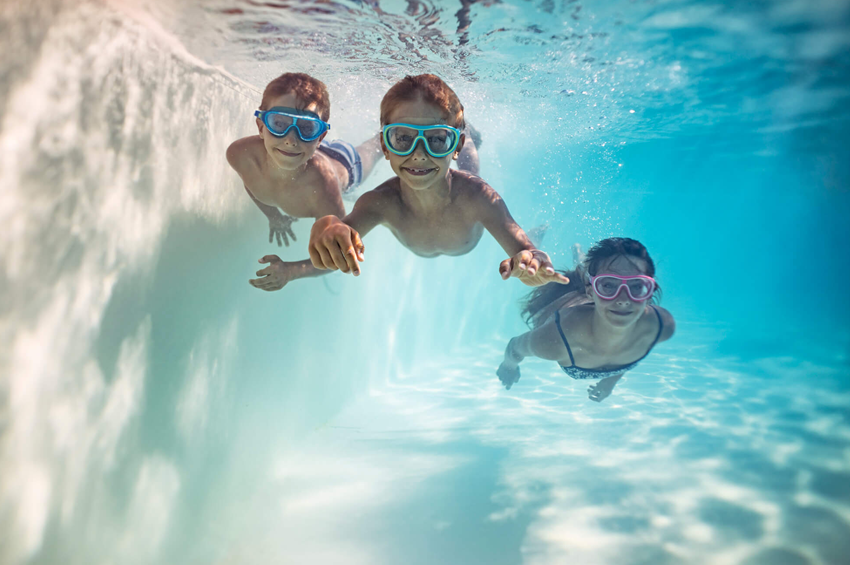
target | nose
x=623, y=298
x=291, y=136
x=419, y=150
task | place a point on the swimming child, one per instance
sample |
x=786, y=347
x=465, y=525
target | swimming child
x=430, y=208
x=289, y=165
x=599, y=326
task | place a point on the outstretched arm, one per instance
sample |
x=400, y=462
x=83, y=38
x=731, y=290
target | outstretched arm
x=527, y=263
x=280, y=224
x=336, y=244
x=543, y=342
x=279, y=273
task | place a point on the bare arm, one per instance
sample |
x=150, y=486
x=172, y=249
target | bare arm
x=328, y=197
x=279, y=273
x=336, y=244
x=527, y=263
x=280, y=224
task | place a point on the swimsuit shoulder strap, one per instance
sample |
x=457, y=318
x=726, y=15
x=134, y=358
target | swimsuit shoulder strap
x=657, y=335
x=563, y=337
x=660, y=326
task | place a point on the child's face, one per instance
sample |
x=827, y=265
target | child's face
x=621, y=311
x=289, y=152
x=419, y=170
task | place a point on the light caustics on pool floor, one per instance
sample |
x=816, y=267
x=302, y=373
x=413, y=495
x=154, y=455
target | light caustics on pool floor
x=158, y=410
x=689, y=461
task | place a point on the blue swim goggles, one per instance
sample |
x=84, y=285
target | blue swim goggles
x=439, y=141
x=279, y=120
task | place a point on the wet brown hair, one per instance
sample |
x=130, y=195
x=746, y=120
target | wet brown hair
x=598, y=253
x=431, y=89
x=305, y=87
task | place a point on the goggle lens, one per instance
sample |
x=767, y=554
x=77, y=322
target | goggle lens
x=307, y=127
x=639, y=288
x=439, y=142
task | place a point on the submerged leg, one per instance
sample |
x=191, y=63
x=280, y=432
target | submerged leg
x=370, y=152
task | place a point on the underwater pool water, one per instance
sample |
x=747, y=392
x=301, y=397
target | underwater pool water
x=155, y=408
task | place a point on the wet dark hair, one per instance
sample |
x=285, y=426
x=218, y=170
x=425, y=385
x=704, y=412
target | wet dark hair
x=598, y=253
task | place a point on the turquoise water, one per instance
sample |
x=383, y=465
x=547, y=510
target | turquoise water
x=155, y=408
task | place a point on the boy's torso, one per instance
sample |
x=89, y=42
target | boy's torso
x=453, y=229
x=304, y=195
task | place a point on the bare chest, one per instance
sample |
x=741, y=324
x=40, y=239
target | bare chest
x=449, y=233
x=298, y=197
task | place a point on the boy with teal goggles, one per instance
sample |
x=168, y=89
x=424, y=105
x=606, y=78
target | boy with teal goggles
x=279, y=120
x=438, y=140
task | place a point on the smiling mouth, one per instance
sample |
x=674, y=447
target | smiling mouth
x=419, y=172
x=287, y=153
x=620, y=313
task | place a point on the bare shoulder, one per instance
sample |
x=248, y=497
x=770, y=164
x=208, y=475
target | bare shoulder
x=245, y=154
x=574, y=315
x=473, y=187
x=384, y=196
x=669, y=323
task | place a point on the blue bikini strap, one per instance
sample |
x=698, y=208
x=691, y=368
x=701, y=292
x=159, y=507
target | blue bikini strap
x=563, y=337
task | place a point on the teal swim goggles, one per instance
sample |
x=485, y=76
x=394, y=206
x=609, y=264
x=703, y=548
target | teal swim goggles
x=279, y=120
x=438, y=141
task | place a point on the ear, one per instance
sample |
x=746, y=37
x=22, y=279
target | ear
x=321, y=137
x=459, y=146
x=384, y=149
x=260, y=126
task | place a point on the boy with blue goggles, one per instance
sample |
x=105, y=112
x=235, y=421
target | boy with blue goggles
x=279, y=120
x=290, y=171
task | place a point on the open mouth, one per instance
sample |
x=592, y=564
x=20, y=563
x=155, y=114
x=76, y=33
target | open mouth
x=419, y=172
x=622, y=314
x=288, y=154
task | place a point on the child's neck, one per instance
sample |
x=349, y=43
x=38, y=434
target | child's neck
x=435, y=197
x=607, y=336
x=280, y=174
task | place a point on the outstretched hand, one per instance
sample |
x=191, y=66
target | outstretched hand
x=508, y=373
x=273, y=277
x=532, y=268
x=279, y=227
x=601, y=389
x=335, y=245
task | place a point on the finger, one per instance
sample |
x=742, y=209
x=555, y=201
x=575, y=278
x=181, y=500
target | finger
x=271, y=235
x=278, y=234
x=339, y=259
x=265, y=283
x=358, y=245
x=546, y=264
x=264, y=272
x=291, y=233
x=533, y=265
x=505, y=269
x=268, y=258
x=520, y=262
x=326, y=258
x=315, y=257
x=349, y=252
x=351, y=256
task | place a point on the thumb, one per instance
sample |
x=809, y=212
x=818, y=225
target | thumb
x=266, y=258
x=358, y=244
x=505, y=269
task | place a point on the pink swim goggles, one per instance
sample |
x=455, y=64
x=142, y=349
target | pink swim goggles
x=638, y=287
